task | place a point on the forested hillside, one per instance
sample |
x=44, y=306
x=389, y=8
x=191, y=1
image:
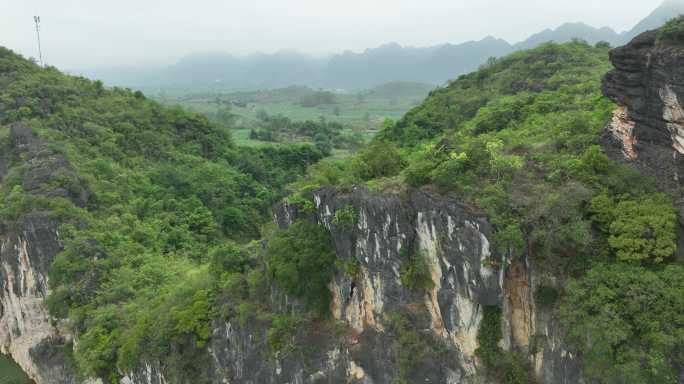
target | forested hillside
x=149, y=196
x=519, y=140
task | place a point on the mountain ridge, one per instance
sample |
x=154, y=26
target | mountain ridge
x=360, y=70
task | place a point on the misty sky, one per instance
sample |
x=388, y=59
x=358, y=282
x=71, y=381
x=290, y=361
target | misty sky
x=89, y=33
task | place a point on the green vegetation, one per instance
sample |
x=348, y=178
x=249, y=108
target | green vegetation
x=415, y=272
x=672, y=31
x=355, y=117
x=627, y=322
x=363, y=110
x=546, y=296
x=282, y=332
x=166, y=243
x=149, y=260
x=504, y=367
x=345, y=217
x=349, y=267
x=639, y=230
x=379, y=159
x=644, y=229
x=519, y=139
x=301, y=260
x=413, y=348
x=10, y=373
x=325, y=135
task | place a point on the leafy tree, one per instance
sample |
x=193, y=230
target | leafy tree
x=301, y=261
x=627, y=321
x=644, y=230
x=228, y=258
x=501, y=164
x=379, y=159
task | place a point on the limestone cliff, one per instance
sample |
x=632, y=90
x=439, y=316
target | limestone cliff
x=28, y=245
x=647, y=130
x=453, y=238
x=468, y=275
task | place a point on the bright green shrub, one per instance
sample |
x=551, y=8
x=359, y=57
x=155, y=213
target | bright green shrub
x=626, y=321
x=379, y=159
x=644, y=230
x=345, y=217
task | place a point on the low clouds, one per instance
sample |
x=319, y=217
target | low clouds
x=87, y=33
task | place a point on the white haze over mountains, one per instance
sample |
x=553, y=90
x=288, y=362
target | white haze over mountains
x=100, y=33
x=119, y=40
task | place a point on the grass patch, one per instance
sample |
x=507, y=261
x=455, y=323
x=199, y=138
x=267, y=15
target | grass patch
x=10, y=373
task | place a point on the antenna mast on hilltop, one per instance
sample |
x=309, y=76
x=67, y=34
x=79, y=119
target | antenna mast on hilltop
x=36, y=19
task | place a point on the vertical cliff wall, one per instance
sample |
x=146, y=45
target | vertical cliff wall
x=647, y=130
x=27, y=333
x=468, y=275
x=28, y=245
x=455, y=242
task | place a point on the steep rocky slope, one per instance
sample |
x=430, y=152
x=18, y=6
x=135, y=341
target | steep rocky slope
x=28, y=246
x=647, y=130
x=468, y=276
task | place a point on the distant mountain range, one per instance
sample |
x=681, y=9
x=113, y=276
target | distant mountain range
x=349, y=70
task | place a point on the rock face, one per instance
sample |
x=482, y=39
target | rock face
x=28, y=246
x=468, y=276
x=455, y=243
x=647, y=130
x=26, y=332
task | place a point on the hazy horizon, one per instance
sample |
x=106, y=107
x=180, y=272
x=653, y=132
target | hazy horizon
x=83, y=34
